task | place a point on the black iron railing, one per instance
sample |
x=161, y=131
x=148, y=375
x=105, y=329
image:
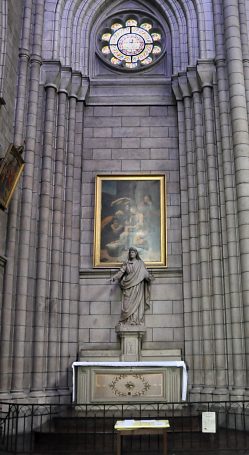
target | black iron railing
x=89, y=429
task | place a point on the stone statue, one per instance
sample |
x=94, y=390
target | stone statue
x=134, y=280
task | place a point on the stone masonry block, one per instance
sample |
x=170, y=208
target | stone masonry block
x=100, y=143
x=163, y=334
x=158, y=165
x=131, y=165
x=130, y=154
x=158, y=111
x=100, y=307
x=165, y=320
x=99, y=154
x=158, y=142
x=102, y=165
x=102, y=111
x=84, y=335
x=157, y=154
x=100, y=335
x=130, y=131
x=172, y=291
x=162, y=307
x=101, y=122
x=179, y=334
x=131, y=143
x=102, y=132
x=131, y=111
x=158, y=131
x=131, y=121
x=155, y=121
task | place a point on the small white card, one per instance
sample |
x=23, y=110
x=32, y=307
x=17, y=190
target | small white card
x=208, y=422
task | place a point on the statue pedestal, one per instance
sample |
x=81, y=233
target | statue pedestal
x=131, y=340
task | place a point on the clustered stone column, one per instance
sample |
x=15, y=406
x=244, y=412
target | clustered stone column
x=212, y=99
x=238, y=83
x=13, y=369
x=205, y=322
x=54, y=256
x=50, y=181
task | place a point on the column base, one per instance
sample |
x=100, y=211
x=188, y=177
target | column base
x=44, y=396
x=206, y=393
x=65, y=396
x=221, y=394
x=195, y=393
x=5, y=396
x=237, y=394
x=18, y=395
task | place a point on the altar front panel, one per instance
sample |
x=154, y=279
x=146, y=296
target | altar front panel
x=113, y=385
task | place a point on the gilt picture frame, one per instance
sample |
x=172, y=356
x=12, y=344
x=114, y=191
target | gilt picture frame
x=11, y=167
x=130, y=210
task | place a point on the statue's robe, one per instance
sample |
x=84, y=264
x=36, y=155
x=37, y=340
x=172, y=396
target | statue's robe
x=135, y=284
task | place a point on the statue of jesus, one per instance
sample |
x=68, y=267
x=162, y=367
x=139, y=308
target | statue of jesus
x=134, y=280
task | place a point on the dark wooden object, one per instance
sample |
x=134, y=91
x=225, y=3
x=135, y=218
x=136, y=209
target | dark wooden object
x=142, y=431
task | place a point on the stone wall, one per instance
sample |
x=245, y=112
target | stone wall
x=10, y=25
x=132, y=140
x=13, y=21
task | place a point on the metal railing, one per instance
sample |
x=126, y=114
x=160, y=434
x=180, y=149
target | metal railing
x=89, y=429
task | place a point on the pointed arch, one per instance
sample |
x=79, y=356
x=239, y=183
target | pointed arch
x=71, y=21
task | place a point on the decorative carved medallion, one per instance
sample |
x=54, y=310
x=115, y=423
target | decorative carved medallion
x=133, y=385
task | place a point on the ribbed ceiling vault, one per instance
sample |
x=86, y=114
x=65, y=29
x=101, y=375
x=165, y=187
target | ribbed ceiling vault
x=68, y=24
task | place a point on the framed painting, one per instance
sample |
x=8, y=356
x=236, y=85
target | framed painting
x=11, y=167
x=130, y=210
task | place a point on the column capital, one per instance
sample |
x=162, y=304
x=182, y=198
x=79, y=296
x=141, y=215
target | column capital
x=85, y=85
x=176, y=88
x=184, y=85
x=193, y=80
x=66, y=79
x=80, y=86
x=51, y=73
x=206, y=71
x=24, y=53
x=35, y=58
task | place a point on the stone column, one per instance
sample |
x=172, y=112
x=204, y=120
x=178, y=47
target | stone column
x=240, y=137
x=68, y=313
x=184, y=149
x=11, y=246
x=71, y=290
x=193, y=331
x=25, y=220
x=244, y=46
x=204, y=259
x=57, y=234
x=205, y=71
x=230, y=227
x=45, y=218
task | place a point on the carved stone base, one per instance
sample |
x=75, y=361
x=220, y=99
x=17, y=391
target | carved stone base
x=131, y=340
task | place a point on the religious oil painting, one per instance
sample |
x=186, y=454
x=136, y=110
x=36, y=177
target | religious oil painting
x=130, y=210
x=11, y=167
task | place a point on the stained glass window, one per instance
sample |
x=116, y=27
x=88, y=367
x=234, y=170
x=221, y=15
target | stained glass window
x=131, y=44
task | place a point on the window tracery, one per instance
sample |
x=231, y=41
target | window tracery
x=131, y=43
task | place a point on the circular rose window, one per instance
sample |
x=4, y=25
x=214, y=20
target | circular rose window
x=131, y=43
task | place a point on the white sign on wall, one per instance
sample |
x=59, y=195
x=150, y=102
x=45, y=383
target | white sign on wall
x=208, y=422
